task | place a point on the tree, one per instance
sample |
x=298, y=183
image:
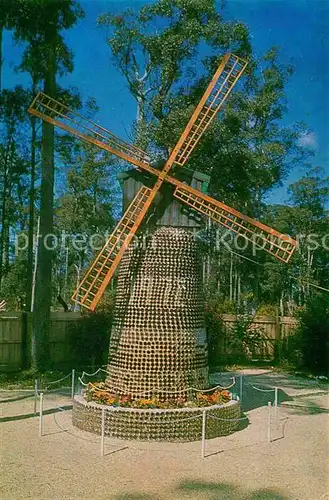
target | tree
x=310, y=196
x=84, y=212
x=13, y=165
x=40, y=24
x=159, y=50
x=156, y=49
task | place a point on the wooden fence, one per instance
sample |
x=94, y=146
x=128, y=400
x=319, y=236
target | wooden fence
x=274, y=330
x=15, y=338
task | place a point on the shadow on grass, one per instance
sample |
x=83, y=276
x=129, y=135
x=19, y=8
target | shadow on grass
x=225, y=491
x=310, y=409
x=134, y=496
x=17, y=398
x=209, y=491
x=255, y=398
x=31, y=415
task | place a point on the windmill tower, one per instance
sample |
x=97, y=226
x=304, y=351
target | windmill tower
x=158, y=338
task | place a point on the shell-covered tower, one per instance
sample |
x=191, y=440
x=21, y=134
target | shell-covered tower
x=158, y=341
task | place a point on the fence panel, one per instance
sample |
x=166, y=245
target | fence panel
x=11, y=341
x=16, y=329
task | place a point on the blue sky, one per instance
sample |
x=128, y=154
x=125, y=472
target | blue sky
x=298, y=27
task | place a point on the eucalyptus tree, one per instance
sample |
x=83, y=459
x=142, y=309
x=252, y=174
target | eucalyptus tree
x=13, y=165
x=40, y=24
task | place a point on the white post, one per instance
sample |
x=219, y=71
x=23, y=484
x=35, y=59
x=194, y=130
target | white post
x=203, y=446
x=241, y=387
x=41, y=415
x=102, y=432
x=276, y=404
x=269, y=422
x=73, y=383
x=35, y=395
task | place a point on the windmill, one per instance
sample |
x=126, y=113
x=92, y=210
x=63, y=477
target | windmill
x=126, y=374
x=102, y=269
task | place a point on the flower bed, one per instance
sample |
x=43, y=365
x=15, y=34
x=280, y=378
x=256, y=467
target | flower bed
x=97, y=392
x=158, y=424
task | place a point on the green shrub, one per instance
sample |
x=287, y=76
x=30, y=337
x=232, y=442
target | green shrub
x=225, y=344
x=266, y=310
x=243, y=339
x=90, y=336
x=310, y=345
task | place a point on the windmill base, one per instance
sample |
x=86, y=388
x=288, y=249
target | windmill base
x=158, y=344
x=178, y=424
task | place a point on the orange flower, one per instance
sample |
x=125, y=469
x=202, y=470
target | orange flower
x=226, y=394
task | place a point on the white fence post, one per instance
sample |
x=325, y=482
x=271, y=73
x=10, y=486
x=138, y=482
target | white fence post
x=41, y=415
x=73, y=383
x=35, y=396
x=102, y=432
x=203, y=446
x=269, y=422
x=276, y=404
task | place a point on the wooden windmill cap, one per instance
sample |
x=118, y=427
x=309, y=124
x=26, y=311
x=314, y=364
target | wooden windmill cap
x=170, y=212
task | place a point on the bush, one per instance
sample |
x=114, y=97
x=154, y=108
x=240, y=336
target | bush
x=239, y=342
x=243, y=339
x=267, y=310
x=311, y=340
x=90, y=337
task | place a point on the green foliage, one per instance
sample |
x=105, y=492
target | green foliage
x=13, y=285
x=267, y=310
x=90, y=336
x=240, y=341
x=311, y=342
x=156, y=50
x=243, y=339
x=89, y=339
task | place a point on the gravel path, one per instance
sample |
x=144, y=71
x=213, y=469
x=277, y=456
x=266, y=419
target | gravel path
x=65, y=464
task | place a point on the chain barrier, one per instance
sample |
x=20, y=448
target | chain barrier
x=60, y=379
x=259, y=389
x=154, y=391
x=270, y=389
x=203, y=415
x=228, y=419
x=93, y=374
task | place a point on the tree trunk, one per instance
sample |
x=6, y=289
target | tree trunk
x=231, y=278
x=3, y=222
x=4, y=210
x=1, y=33
x=31, y=214
x=43, y=285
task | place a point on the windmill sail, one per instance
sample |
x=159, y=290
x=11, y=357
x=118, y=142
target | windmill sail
x=279, y=245
x=58, y=114
x=100, y=272
x=221, y=85
x=102, y=269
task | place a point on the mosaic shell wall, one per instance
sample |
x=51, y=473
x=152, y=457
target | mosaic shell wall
x=158, y=340
x=181, y=424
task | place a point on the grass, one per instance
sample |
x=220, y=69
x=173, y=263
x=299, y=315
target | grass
x=26, y=379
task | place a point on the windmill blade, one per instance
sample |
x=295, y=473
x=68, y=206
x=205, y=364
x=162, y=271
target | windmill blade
x=102, y=269
x=264, y=237
x=56, y=113
x=222, y=83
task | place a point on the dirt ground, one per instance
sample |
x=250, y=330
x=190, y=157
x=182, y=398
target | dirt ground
x=66, y=464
